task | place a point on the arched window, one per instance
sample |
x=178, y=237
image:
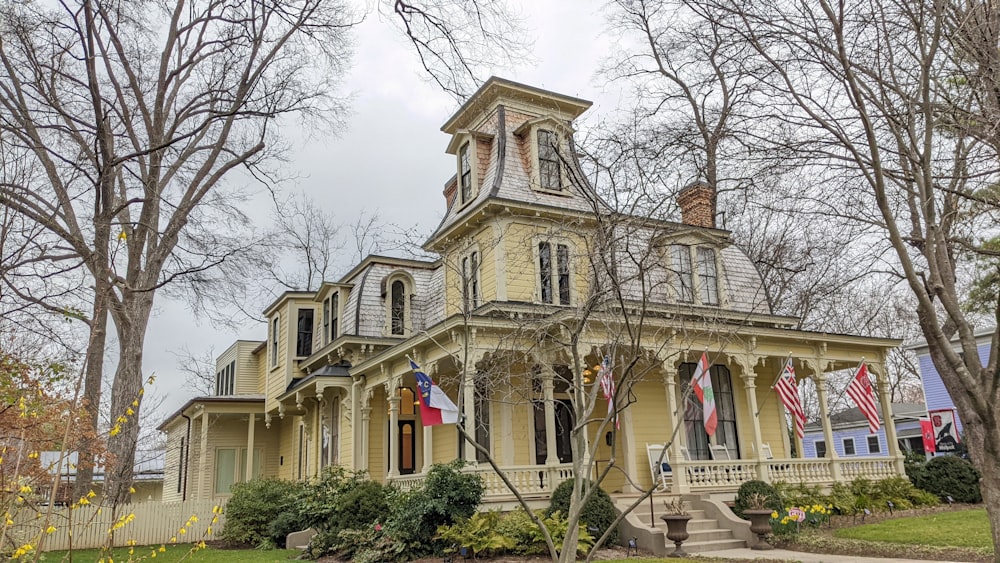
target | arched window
x=397, y=307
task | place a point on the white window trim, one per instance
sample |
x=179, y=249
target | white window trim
x=528, y=132
x=877, y=441
x=696, y=281
x=312, y=333
x=408, y=292
x=826, y=451
x=273, y=346
x=239, y=470
x=553, y=241
x=854, y=446
x=478, y=274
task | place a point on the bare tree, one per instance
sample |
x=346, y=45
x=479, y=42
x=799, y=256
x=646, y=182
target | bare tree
x=892, y=101
x=132, y=114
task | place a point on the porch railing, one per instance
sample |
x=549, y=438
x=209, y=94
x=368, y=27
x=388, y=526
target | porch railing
x=531, y=480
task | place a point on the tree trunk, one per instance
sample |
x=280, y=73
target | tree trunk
x=93, y=375
x=984, y=449
x=131, y=320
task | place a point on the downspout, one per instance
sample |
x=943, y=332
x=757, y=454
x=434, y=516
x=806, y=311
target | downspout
x=186, y=458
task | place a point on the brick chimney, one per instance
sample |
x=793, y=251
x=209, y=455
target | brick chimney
x=695, y=201
x=450, y=191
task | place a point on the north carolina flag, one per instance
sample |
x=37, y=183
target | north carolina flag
x=702, y=383
x=927, y=433
x=435, y=406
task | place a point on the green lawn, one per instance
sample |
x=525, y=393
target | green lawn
x=174, y=553
x=965, y=528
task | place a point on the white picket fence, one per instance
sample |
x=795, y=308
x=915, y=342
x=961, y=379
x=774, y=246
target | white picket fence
x=146, y=523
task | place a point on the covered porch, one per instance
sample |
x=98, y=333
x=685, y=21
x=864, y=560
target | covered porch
x=522, y=410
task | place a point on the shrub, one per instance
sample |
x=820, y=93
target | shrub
x=479, y=533
x=254, y=505
x=749, y=489
x=447, y=496
x=951, y=476
x=597, y=514
x=519, y=527
x=344, y=503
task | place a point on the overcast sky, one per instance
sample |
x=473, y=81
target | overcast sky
x=390, y=156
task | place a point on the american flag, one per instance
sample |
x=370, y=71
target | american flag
x=860, y=390
x=606, y=379
x=788, y=392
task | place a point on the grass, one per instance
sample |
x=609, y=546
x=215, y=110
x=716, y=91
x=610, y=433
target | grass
x=964, y=529
x=174, y=553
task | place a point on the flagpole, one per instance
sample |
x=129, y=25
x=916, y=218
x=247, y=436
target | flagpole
x=781, y=371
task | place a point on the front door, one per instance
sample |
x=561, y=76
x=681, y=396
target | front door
x=407, y=447
x=564, y=426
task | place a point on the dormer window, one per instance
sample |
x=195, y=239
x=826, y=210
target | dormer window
x=708, y=277
x=465, y=174
x=398, y=307
x=699, y=284
x=680, y=258
x=331, y=306
x=397, y=293
x=549, y=165
x=275, y=324
x=304, y=333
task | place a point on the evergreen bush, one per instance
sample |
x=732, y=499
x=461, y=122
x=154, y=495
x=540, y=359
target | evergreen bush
x=597, y=514
x=749, y=489
x=254, y=505
x=951, y=476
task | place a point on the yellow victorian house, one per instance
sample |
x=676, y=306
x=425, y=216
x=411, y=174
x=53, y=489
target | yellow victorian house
x=537, y=281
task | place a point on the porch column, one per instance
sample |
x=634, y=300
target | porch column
x=250, y=452
x=469, y=415
x=507, y=430
x=392, y=391
x=551, y=453
x=680, y=484
x=891, y=437
x=205, y=486
x=819, y=378
x=366, y=415
x=747, y=363
x=356, y=392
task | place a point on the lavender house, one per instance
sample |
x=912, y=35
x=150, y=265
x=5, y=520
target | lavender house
x=940, y=407
x=851, y=437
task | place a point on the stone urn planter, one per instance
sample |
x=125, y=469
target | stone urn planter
x=677, y=531
x=760, y=524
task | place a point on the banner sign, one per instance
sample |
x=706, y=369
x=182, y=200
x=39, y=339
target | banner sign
x=945, y=433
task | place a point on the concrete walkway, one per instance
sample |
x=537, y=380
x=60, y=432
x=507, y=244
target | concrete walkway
x=785, y=555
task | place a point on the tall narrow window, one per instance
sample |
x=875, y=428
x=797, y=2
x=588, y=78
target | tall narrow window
x=548, y=161
x=680, y=258
x=465, y=181
x=560, y=277
x=326, y=320
x=397, y=307
x=274, y=341
x=694, y=414
x=708, y=276
x=562, y=265
x=470, y=280
x=334, y=316
x=545, y=271
x=304, y=340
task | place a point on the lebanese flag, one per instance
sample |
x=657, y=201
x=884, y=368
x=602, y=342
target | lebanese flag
x=435, y=407
x=701, y=381
x=927, y=433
